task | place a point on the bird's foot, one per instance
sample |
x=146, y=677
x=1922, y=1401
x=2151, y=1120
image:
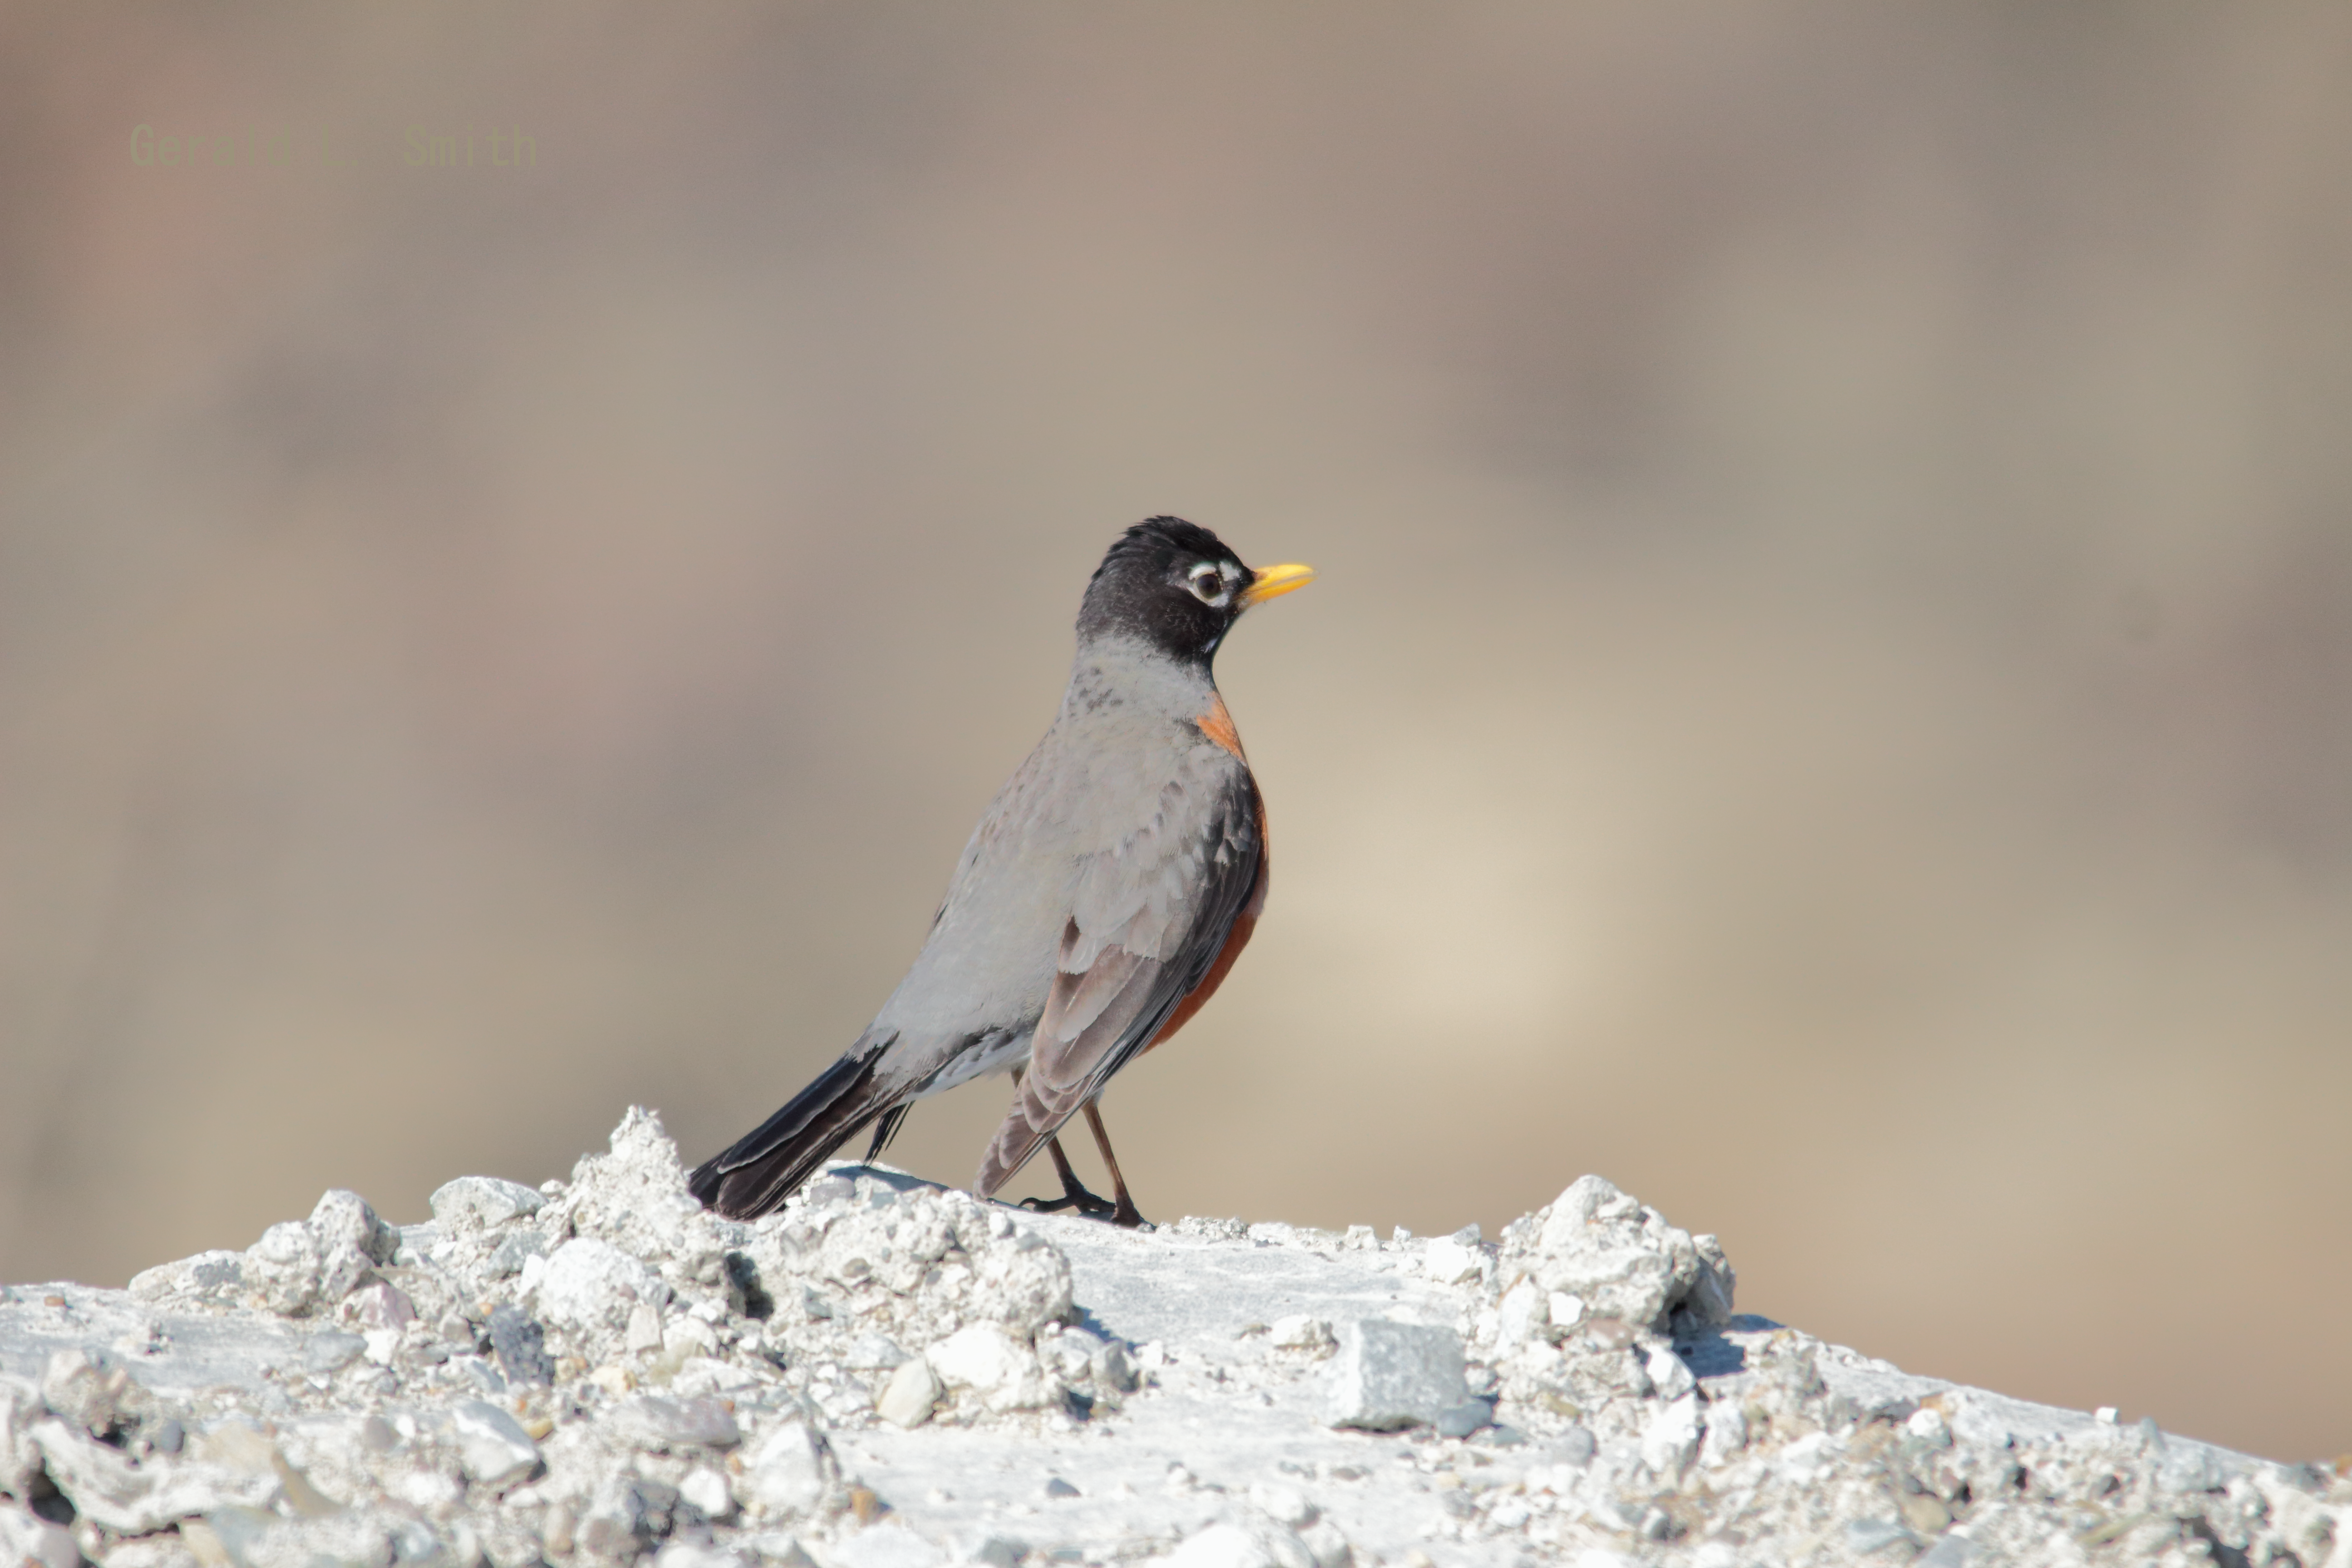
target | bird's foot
x=1078, y=1198
x=1124, y=1216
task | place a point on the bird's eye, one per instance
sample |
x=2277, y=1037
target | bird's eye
x=1208, y=584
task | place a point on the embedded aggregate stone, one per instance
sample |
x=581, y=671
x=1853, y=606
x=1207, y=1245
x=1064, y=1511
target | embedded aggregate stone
x=598, y=1374
x=521, y=1345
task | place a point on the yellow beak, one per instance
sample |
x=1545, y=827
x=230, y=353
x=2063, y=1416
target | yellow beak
x=1273, y=582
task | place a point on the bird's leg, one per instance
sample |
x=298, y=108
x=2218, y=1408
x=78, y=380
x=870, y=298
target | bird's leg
x=1073, y=1193
x=1123, y=1210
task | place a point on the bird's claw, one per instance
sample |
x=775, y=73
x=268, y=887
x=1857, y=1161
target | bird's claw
x=1085, y=1202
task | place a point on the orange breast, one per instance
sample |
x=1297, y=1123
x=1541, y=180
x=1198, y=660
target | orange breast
x=1218, y=726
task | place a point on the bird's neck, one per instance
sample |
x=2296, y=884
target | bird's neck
x=1112, y=670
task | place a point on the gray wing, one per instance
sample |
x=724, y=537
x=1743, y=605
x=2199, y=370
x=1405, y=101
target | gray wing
x=1150, y=916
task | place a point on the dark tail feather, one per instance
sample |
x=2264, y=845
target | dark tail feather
x=768, y=1166
x=885, y=1130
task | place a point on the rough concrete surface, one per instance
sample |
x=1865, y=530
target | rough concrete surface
x=887, y=1375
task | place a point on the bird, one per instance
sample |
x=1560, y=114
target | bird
x=1101, y=901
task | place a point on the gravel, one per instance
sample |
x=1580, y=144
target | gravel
x=889, y=1375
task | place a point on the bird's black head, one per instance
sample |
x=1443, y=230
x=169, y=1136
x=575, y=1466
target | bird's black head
x=1177, y=586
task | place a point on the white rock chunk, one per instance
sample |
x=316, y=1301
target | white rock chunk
x=889, y=1544
x=1002, y=1371
x=26, y=1538
x=493, y=1447
x=645, y=1330
x=1286, y=1505
x=476, y=1203
x=1670, y=1439
x=593, y=1285
x=1450, y=1262
x=1726, y=1435
x=700, y=1555
x=788, y=1471
x=1389, y=1376
x=1326, y=1545
x=1670, y=1376
x=1621, y=1259
x=1267, y=1545
x=113, y=1492
x=911, y=1396
x=706, y=1488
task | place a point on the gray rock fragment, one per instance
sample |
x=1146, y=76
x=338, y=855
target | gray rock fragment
x=1390, y=1376
x=1114, y=1369
x=1864, y=1536
x=1461, y=1420
x=1952, y=1551
x=521, y=1345
x=515, y=1250
x=995, y=1550
x=628, y=1514
x=873, y=1352
x=660, y=1423
x=352, y=1240
x=255, y=1538
x=331, y=1352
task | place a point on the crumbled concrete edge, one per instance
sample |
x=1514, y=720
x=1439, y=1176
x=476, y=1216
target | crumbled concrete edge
x=887, y=1375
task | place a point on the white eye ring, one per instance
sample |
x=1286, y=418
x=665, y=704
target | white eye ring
x=1208, y=584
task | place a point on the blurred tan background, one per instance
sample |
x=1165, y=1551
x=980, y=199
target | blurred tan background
x=1830, y=700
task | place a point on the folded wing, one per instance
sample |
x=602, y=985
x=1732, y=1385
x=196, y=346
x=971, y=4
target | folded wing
x=1151, y=918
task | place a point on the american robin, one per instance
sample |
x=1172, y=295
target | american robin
x=1108, y=888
